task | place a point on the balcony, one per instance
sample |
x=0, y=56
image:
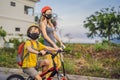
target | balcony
x=35, y=0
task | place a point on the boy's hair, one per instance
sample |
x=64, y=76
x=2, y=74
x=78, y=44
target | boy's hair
x=35, y=26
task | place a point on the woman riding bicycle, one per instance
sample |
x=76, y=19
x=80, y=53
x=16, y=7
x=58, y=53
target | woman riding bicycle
x=49, y=33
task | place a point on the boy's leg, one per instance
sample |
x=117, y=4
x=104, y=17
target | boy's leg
x=37, y=77
x=45, y=64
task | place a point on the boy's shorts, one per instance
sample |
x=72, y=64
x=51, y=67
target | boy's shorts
x=30, y=71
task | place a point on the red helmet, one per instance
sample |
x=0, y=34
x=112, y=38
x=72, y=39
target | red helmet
x=45, y=8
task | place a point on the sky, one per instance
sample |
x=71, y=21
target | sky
x=72, y=13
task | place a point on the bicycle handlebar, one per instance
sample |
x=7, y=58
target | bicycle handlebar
x=53, y=55
x=59, y=51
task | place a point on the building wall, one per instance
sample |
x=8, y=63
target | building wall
x=9, y=25
x=16, y=12
x=12, y=17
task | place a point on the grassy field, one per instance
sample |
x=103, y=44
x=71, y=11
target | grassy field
x=100, y=60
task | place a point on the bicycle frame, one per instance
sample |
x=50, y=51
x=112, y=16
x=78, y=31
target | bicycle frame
x=54, y=69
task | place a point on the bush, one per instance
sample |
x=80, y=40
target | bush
x=68, y=50
x=15, y=41
x=8, y=57
x=78, y=55
x=41, y=40
x=101, y=47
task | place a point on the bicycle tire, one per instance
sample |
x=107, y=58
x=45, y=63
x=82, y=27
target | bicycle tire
x=30, y=78
x=65, y=78
x=15, y=77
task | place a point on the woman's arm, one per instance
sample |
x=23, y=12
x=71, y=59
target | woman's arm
x=46, y=36
x=50, y=48
x=57, y=38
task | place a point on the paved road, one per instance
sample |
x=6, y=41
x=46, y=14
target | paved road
x=3, y=75
x=5, y=72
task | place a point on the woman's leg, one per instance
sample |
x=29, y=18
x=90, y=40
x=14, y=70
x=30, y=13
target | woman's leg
x=57, y=61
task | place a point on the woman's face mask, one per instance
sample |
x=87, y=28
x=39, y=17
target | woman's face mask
x=48, y=16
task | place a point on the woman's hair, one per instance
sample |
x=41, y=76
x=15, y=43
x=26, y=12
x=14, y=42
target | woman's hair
x=29, y=29
x=54, y=22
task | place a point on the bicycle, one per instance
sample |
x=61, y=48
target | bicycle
x=53, y=71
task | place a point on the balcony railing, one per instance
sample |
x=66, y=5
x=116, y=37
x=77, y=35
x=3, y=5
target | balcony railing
x=35, y=0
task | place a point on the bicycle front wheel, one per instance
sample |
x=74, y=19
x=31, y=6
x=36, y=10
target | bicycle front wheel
x=61, y=77
x=65, y=78
x=15, y=77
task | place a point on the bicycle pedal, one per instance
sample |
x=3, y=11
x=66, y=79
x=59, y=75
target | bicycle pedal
x=43, y=78
x=61, y=75
x=63, y=78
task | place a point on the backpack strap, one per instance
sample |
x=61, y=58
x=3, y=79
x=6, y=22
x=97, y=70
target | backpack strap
x=36, y=44
x=32, y=47
x=23, y=57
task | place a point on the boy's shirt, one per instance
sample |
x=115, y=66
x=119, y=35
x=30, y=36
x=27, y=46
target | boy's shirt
x=31, y=59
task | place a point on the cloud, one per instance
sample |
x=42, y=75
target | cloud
x=81, y=40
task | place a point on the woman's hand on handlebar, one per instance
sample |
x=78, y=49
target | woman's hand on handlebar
x=62, y=45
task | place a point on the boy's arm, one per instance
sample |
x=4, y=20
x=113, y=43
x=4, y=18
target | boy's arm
x=32, y=50
x=42, y=52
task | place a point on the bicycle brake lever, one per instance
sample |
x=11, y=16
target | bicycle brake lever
x=59, y=51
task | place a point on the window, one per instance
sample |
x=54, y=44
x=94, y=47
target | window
x=17, y=29
x=29, y=10
x=12, y=4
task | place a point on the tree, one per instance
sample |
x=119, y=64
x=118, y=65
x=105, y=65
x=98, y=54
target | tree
x=104, y=23
x=69, y=36
x=2, y=33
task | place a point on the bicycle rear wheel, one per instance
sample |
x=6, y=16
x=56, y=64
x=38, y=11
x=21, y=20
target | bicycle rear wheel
x=15, y=77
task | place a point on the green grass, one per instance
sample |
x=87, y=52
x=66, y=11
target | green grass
x=69, y=66
x=101, y=47
x=100, y=60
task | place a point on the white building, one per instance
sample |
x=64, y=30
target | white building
x=15, y=17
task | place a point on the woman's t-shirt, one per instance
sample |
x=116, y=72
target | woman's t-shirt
x=49, y=32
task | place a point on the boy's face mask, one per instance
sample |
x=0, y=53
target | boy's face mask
x=33, y=36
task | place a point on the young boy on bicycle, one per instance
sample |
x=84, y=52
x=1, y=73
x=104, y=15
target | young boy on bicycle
x=34, y=48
